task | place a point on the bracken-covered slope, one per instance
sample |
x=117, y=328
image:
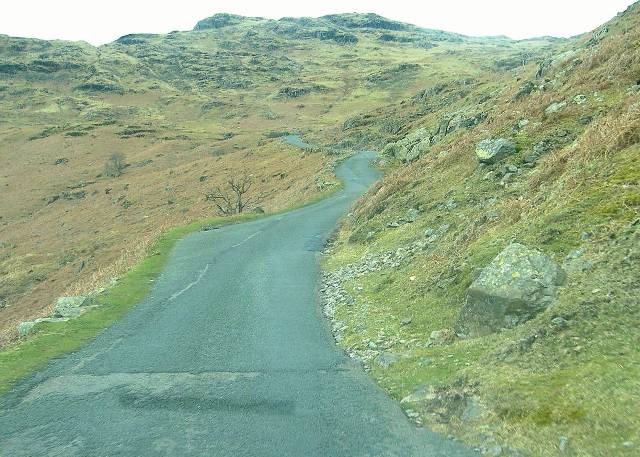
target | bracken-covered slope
x=187, y=110
x=428, y=281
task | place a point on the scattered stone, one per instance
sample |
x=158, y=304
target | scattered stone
x=628, y=444
x=473, y=410
x=493, y=150
x=61, y=161
x=563, y=444
x=412, y=215
x=560, y=322
x=441, y=337
x=492, y=215
x=444, y=228
x=3, y=303
x=522, y=123
x=542, y=147
x=208, y=228
x=386, y=359
x=575, y=262
x=580, y=99
x=405, y=322
x=424, y=392
x=555, y=107
x=517, y=285
x=585, y=120
x=411, y=414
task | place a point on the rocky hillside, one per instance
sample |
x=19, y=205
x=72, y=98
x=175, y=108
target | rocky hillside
x=177, y=115
x=489, y=281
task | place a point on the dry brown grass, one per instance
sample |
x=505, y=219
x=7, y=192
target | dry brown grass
x=48, y=243
x=376, y=199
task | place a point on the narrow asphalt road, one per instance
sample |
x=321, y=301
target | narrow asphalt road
x=228, y=356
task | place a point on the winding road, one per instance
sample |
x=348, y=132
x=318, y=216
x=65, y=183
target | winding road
x=229, y=355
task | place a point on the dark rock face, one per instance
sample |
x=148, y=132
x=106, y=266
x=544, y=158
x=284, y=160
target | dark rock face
x=517, y=285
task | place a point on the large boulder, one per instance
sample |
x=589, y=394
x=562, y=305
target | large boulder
x=517, y=285
x=494, y=150
x=69, y=306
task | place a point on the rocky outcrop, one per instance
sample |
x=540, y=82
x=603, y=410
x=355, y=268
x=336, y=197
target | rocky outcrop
x=494, y=150
x=517, y=285
x=410, y=147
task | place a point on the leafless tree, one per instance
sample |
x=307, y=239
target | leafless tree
x=235, y=198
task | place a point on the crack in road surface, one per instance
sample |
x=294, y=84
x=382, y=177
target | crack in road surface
x=190, y=285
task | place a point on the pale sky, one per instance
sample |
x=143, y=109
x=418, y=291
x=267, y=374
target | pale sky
x=100, y=22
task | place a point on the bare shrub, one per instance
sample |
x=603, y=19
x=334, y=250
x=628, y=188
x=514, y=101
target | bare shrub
x=115, y=165
x=235, y=198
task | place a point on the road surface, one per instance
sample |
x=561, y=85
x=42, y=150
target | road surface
x=228, y=356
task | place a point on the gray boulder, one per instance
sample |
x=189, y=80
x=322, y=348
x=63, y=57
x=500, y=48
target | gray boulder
x=494, y=150
x=69, y=306
x=555, y=107
x=24, y=328
x=517, y=285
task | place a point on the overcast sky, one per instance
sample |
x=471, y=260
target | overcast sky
x=104, y=21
